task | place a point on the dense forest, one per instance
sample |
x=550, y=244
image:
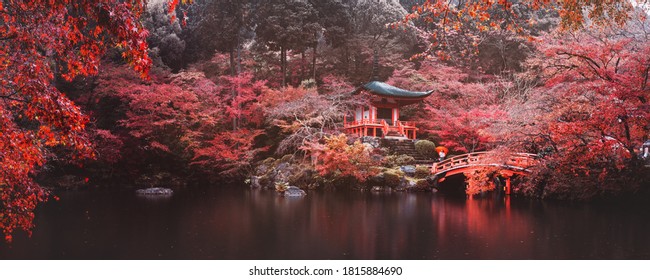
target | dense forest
x=178, y=93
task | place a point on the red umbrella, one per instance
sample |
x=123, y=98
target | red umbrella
x=442, y=149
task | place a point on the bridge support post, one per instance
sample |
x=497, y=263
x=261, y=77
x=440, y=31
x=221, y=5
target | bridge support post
x=508, y=186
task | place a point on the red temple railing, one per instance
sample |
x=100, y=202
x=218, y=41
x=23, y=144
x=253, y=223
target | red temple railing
x=368, y=127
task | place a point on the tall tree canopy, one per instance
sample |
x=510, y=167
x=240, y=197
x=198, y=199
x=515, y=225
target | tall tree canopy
x=444, y=21
x=286, y=25
x=221, y=26
x=592, y=113
x=164, y=38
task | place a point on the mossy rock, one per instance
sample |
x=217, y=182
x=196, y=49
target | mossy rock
x=392, y=178
x=377, y=179
x=287, y=158
x=302, y=176
x=265, y=181
x=265, y=167
x=268, y=161
x=336, y=180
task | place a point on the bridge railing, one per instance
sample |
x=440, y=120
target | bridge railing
x=522, y=160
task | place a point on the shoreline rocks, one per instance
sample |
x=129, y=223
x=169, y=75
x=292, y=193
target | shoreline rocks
x=294, y=176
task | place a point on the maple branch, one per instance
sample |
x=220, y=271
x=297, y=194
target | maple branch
x=590, y=62
x=9, y=97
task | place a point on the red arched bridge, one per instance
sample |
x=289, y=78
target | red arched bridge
x=508, y=164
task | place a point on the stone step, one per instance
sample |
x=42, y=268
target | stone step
x=407, y=147
x=406, y=151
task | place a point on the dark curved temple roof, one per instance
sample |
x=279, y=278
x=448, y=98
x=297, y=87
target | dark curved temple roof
x=387, y=90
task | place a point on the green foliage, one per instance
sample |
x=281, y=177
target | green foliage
x=165, y=44
x=422, y=184
x=422, y=171
x=425, y=148
x=286, y=158
x=398, y=160
x=160, y=179
x=392, y=177
x=303, y=176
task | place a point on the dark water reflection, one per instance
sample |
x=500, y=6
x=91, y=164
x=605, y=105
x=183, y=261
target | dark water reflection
x=237, y=223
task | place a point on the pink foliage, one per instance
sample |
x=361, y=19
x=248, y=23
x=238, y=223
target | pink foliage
x=336, y=158
x=108, y=146
x=229, y=151
x=461, y=113
x=189, y=117
x=241, y=94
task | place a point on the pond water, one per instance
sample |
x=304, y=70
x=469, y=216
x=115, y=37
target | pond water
x=238, y=223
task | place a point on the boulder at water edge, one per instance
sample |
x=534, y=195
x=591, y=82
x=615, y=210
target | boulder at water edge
x=154, y=191
x=294, y=192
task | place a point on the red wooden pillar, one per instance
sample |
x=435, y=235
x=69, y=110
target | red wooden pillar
x=360, y=118
x=508, y=187
x=395, y=115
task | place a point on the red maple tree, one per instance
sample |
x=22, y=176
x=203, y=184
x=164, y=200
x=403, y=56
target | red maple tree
x=229, y=145
x=336, y=158
x=593, y=111
x=462, y=112
x=41, y=41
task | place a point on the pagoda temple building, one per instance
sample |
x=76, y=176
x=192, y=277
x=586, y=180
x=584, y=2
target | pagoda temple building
x=382, y=117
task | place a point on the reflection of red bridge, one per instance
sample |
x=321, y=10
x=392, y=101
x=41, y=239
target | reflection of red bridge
x=508, y=164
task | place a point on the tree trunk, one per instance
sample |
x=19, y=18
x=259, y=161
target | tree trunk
x=313, y=62
x=346, y=61
x=283, y=65
x=238, y=55
x=233, y=92
x=302, y=65
x=232, y=61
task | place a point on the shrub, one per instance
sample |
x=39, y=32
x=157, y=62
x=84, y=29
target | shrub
x=392, y=177
x=425, y=148
x=422, y=171
x=398, y=160
x=338, y=159
x=422, y=184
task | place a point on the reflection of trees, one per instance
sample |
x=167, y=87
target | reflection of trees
x=264, y=225
x=481, y=228
x=226, y=223
x=358, y=225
